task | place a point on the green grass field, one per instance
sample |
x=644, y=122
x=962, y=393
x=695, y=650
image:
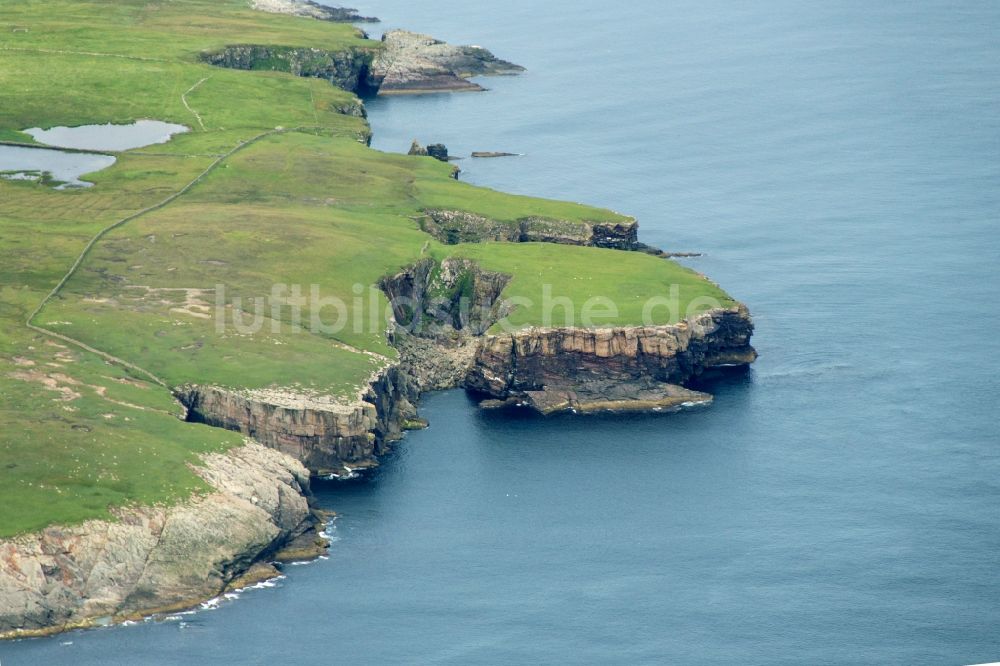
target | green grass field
x=307, y=205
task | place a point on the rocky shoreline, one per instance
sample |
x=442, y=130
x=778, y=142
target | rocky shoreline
x=160, y=559
x=445, y=343
x=406, y=63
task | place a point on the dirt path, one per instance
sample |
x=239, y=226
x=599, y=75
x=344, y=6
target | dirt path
x=188, y=106
x=83, y=53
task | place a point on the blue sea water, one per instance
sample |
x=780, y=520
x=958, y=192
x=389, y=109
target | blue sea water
x=839, y=166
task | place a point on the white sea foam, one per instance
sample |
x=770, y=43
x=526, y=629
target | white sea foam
x=211, y=604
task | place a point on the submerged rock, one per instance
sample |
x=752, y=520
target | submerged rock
x=411, y=63
x=490, y=153
x=603, y=395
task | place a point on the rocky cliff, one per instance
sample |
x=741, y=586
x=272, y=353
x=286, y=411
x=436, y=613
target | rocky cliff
x=157, y=559
x=456, y=226
x=623, y=368
x=441, y=299
x=404, y=63
x=347, y=68
x=328, y=435
x=445, y=310
x=441, y=312
x=411, y=63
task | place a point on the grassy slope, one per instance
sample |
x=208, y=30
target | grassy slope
x=306, y=206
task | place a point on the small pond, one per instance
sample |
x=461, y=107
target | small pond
x=108, y=137
x=53, y=166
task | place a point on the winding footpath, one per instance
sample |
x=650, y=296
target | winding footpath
x=188, y=106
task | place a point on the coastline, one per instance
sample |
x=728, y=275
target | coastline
x=159, y=559
x=345, y=436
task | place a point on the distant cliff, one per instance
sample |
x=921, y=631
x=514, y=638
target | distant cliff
x=410, y=63
x=403, y=63
x=456, y=226
x=345, y=68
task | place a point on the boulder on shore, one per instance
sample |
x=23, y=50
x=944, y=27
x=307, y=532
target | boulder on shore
x=438, y=151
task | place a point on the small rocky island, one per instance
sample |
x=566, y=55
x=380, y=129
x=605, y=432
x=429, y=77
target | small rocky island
x=126, y=341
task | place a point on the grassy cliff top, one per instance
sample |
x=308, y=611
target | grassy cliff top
x=273, y=185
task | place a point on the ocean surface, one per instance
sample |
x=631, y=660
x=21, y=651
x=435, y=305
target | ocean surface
x=839, y=165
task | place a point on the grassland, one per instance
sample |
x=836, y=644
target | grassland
x=309, y=204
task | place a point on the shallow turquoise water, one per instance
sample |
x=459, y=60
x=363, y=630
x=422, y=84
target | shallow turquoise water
x=839, y=165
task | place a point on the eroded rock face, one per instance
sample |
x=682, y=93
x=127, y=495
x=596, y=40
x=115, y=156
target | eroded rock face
x=324, y=434
x=606, y=361
x=435, y=364
x=456, y=226
x=156, y=558
x=411, y=63
x=347, y=68
x=442, y=300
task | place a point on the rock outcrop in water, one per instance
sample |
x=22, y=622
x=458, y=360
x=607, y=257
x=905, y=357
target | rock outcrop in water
x=158, y=559
x=411, y=63
x=438, y=151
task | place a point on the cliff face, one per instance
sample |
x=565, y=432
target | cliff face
x=455, y=226
x=553, y=369
x=406, y=62
x=156, y=558
x=441, y=311
x=324, y=434
x=348, y=69
x=441, y=301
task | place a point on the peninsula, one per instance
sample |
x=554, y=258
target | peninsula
x=263, y=298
